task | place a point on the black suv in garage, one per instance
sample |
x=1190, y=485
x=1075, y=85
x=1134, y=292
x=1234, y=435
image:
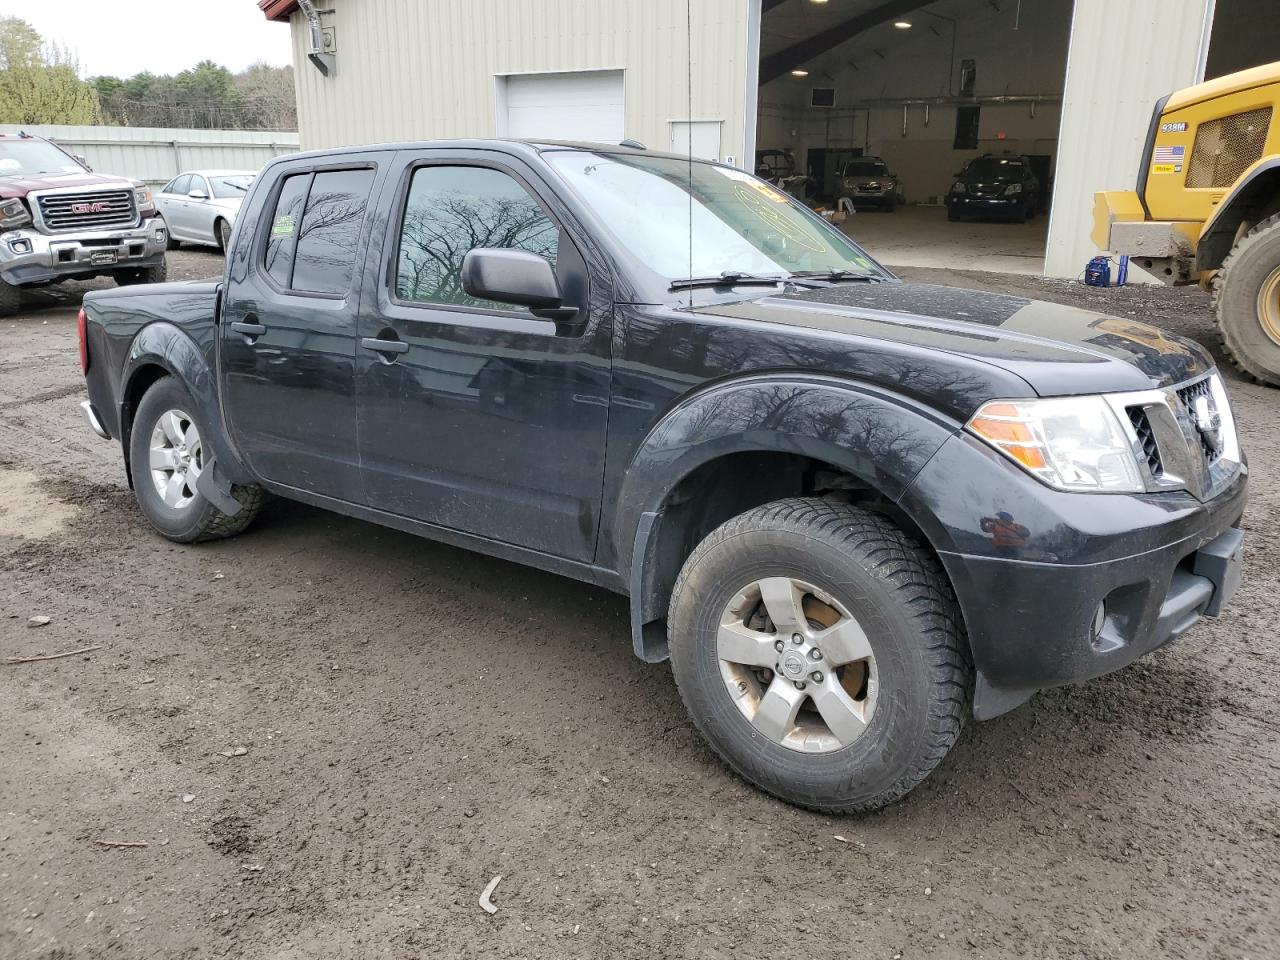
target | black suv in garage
x=1002, y=187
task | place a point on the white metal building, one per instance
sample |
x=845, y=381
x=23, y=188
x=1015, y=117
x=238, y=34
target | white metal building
x=1070, y=83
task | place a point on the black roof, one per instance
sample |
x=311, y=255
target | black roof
x=503, y=144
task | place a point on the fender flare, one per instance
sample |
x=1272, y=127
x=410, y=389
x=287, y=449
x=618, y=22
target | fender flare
x=880, y=437
x=1216, y=237
x=165, y=345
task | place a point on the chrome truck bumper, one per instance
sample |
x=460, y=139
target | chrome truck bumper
x=95, y=422
x=28, y=256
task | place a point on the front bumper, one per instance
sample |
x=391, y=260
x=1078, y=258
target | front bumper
x=986, y=206
x=1164, y=248
x=1096, y=581
x=28, y=256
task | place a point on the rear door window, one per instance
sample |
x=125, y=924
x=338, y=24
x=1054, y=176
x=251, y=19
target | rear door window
x=314, y=230
x=324, y=260
x=283, y=230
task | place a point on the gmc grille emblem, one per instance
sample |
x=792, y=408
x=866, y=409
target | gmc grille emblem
x=96, y=207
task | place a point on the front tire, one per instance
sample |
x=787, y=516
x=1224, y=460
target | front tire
x=133, y=276
x=1246, y=302
x=166, y=455
x=224, y=235
x=839, y=600
x=10, y=299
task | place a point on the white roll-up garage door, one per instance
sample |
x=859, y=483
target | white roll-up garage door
x=562, y=106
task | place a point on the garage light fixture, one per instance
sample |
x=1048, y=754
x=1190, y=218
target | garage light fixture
x=799, y=73
x=817, y=1
x=902, y=24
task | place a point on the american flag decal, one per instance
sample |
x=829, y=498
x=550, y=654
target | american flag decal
x=1168, y=154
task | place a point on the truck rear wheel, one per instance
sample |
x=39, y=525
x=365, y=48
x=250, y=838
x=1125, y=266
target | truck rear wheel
x=1246, y=300
x=167, y=455
x=820, y=651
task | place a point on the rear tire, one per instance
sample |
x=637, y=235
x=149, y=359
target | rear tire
x=171, y=242
x=1246, y=302
x=165, y=460
x=913, y=683
x=10, y=299
x=133, y=276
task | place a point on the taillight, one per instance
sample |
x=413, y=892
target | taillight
x=84, y=342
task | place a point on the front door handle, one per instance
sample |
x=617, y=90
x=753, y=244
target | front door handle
x=250, y=331
x=378, y=345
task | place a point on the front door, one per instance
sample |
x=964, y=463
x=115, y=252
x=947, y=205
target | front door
x=479, y=416
x=288, y=327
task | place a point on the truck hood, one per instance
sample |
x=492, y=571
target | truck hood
x=18, y=185
x=1057, y=350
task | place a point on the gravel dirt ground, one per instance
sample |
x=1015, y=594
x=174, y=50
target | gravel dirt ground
x=406, y=721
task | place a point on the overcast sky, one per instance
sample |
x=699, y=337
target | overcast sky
x=124, y=37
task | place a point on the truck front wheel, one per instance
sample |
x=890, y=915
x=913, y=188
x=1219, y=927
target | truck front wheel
x=10, y=299
x=135, y=275
x=167, y=454
x=1246, y=300
x=820, y=651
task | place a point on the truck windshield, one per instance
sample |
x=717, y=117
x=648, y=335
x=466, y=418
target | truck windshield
x=865, y=168
x=29, y=158
x=993, y=168
x=738, y=224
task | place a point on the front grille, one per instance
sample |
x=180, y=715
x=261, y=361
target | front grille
x=1147, y=437
x=1188, y=397
x=1226, y=147
x=99, y=210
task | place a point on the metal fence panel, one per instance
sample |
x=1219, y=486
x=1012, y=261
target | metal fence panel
x=157, y=154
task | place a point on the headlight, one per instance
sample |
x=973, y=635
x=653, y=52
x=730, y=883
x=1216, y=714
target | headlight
x=142, y=196
x=1072, y=443
x=957, y=187
x=1012, y=189
x=13, y=214
x=871, y=185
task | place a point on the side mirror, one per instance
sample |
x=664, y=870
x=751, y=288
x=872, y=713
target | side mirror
x=198, y=195
x=510, y=276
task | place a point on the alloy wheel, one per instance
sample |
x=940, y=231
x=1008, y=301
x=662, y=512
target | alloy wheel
x=798, y=665
x=177, y=458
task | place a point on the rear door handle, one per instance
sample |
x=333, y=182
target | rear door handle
x=378, y=345
x=250, y=331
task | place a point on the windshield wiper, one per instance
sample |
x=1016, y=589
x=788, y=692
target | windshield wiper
x=729, y=278
x=836, y=275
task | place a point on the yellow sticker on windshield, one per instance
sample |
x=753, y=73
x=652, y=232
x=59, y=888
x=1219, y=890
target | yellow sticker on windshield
x=762, y=188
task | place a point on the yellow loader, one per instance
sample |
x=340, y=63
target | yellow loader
x=1207, y=208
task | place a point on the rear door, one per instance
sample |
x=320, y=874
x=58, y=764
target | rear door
x=173, y=200
x=288, y=325
x=473, y=415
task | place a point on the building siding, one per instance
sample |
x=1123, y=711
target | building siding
x=1123, y=58
x=423, y=69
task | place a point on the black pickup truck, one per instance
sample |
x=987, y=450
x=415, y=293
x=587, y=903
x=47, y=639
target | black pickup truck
x=850, y=510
